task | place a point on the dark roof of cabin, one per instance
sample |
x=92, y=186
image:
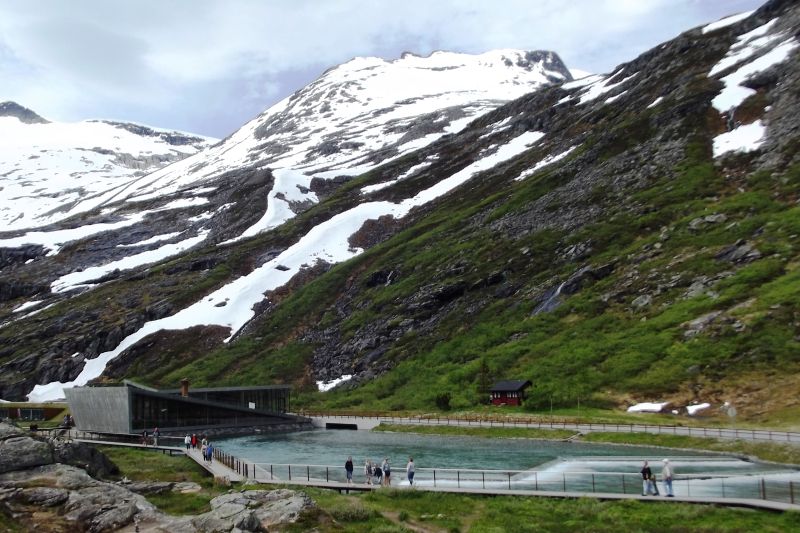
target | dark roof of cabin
x=513, y=385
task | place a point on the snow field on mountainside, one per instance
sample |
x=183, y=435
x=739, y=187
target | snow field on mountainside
x=745, y=47
x=231, y=305
x=742, y=139
x=77, y=279
x=364, y=100
x=54, y=240
x=324, y=386
x=746, y=137
x=151, y=240
x=549, y=160
x=727, y=21
x=61, y=169
x=411, y=171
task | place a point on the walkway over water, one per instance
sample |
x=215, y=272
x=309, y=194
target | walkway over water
x=777, y=493
x=235, y=470
x=362, y=422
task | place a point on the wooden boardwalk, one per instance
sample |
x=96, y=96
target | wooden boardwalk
x=727, y=502
x=215, y=468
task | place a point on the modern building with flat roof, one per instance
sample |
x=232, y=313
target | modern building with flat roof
x=133, y=408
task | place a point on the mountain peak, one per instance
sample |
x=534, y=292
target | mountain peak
x=23, y=114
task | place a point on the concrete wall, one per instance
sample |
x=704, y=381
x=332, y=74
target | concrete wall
x=360, y=423
x=101, y=409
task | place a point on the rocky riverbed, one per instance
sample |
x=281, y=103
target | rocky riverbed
x=56, y=486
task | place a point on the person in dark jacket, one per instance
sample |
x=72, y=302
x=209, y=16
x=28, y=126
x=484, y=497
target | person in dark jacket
x=647, y=480
x=348, y=468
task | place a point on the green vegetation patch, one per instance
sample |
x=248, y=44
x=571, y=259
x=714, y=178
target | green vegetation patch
x=496, y=432
x=411, y=510
x=144, y=465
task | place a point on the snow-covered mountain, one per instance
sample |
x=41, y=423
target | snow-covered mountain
x=505, y=211
x=359, y=114
x=50, y=171
x=356, y=116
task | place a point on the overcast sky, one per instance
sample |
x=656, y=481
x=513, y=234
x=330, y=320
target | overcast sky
x=210, y=66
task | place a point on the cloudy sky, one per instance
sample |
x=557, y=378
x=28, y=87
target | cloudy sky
x=210, y=66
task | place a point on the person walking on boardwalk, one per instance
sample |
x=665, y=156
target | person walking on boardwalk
x=187, y=440
x=210, y=452
x=348, y=468
x=410, y=471
x=144, y=437
x=654, y=484
x=387, y=472
x=667, y=473
x=647, y=480
x=194, y=441
x=368, y=471
x=203, y=450
x=156, y=434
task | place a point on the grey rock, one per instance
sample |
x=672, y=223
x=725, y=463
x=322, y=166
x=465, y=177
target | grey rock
x=701, y=323
x=44, y=496
x=186, y=487
x=84, y=456
x=9, y=430
x=695, y=289
x=19, y=453
x=150, y=487
x=642, y=301
x=741, y=252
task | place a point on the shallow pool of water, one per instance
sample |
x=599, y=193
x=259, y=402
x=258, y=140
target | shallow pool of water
x=332, y=447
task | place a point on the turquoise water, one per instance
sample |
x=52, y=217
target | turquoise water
x=528, y=464
x=332, y=447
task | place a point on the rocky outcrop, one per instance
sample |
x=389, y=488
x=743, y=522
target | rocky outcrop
x=253, y=510
x=23, y=114
x=21, y=451
x=39, y=491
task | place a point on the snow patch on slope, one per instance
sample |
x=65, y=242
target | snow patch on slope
x=549, y=160
x=742, y=139
x=54, y=240
x=745, y=47
x=75, y=279
x=328, y=241
x=727, y=21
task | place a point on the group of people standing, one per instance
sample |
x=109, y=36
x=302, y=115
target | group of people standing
x=380, y=473
x=649, y=485
x=146, y=437
x=206, y=448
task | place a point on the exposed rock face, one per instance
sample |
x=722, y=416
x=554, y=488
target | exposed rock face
x=253, y=510
x=13, y=109
x=20, y=451
x=40, y=493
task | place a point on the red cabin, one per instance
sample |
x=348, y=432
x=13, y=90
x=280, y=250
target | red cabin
x=510, y=392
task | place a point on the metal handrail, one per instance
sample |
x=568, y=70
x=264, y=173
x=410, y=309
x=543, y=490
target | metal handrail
x=750, y=434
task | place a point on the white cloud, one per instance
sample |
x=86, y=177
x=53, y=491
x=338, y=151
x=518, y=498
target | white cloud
x=193, y=64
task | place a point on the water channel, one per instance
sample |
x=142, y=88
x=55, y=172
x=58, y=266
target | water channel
x=506, y=463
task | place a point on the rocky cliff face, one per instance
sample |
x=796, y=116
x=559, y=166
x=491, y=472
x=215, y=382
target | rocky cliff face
x=60, y=486
x=23, y=114
x=622, y=236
